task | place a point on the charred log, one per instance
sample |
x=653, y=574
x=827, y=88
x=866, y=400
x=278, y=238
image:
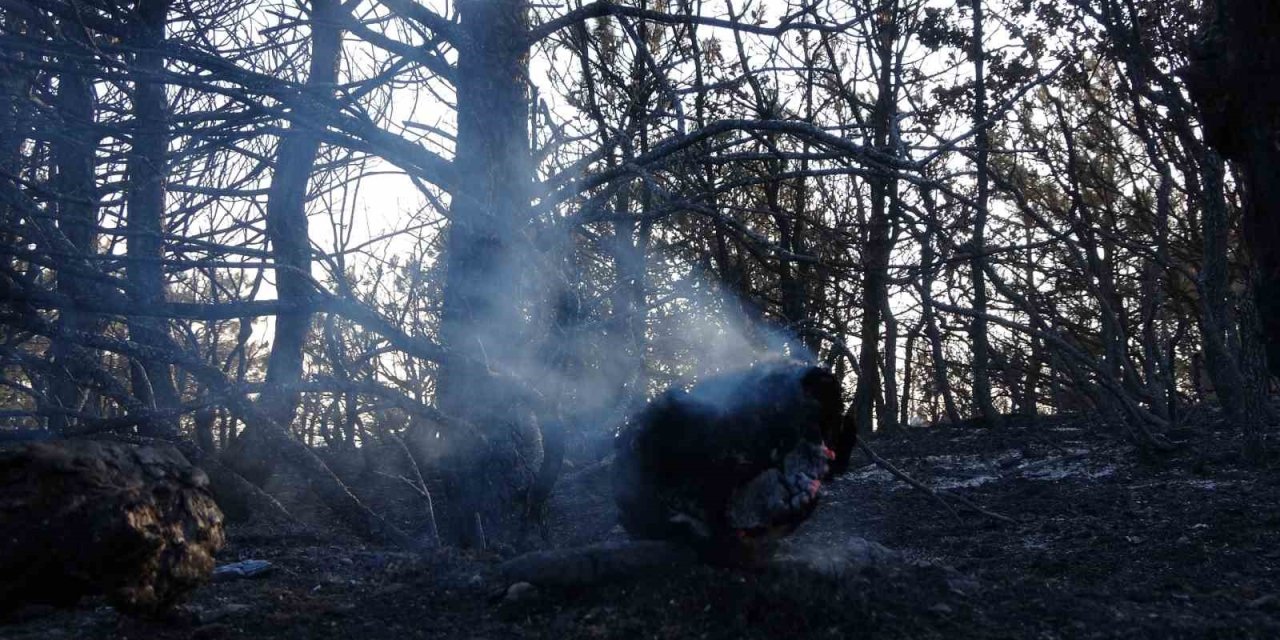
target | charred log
x=136, y=524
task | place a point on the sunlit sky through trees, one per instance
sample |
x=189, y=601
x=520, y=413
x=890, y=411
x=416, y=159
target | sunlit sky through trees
x=381, y=213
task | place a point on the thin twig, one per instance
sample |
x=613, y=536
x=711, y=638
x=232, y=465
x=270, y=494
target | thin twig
x=937, y=494
x=422, y=485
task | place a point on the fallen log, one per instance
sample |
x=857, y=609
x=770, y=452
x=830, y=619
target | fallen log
x=136, y=524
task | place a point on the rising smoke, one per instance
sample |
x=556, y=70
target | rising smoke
x=565, y=344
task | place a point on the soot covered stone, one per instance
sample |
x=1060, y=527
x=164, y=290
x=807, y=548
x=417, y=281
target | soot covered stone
x=731, y=464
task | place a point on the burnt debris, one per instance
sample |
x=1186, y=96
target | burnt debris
x=731, y=464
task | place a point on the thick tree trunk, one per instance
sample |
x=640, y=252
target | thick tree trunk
x=488, y=265
x=630, y=251
x=480, y=317
x=255, y=452
x=1235, y=80
x=630, y=254
x=874, y=277
x=152, y=381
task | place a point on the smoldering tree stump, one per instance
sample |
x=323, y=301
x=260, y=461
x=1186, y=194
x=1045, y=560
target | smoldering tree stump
x=136, y=524
x=732, y=464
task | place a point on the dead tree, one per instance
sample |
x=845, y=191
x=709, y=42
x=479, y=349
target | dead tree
x=152, y=382
x=978, y=327
x=77, y=213
x=1233, y=80
x=287, y=226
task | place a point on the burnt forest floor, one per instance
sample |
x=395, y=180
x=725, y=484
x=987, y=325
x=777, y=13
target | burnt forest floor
x=1105, y=543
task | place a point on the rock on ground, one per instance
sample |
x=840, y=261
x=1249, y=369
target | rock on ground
x=136, y=524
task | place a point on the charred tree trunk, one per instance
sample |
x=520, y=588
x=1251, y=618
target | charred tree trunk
x=152, y=381
x=490, y=208
x=630, y=250
x=255, y=452
x=487, y=258
x=76, y=212
x=1155, y=368
x=1242, y=406
x=941, y=379
x=1235, y=80
x=908, y=373
x=887, y=415
x=630, y=258
x=1027, y=392
x=136, y=524
x=978, y=326
x=869, y=390
x=287, y=226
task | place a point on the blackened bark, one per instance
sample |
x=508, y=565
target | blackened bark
x=487, y=258
x=1028, y=395
x=152, y=381
x=1235, y=81
x=287, y=226
x=908, y=371
x=869, y=390
x=490, y=208
x=941, y=379
x=887, y=414
x=978, y=327
x=630, y=251
x=1244, y=408
x=1155, y=368
x=76, y=213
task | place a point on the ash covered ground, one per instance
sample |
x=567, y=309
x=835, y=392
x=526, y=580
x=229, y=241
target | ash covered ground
x=1105, y=543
